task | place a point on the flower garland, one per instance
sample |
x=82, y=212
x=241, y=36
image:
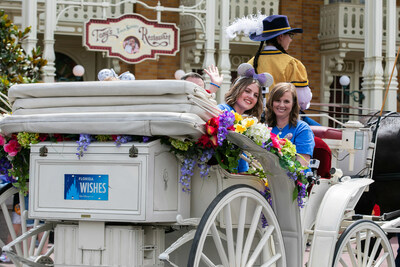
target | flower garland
x=214, y=143
x=211, y=146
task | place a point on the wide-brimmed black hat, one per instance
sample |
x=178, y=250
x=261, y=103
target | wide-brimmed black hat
x=273, y=26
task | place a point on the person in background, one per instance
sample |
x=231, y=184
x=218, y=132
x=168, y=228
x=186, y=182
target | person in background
x=275, y=36
x=212, y=71
x=282, y=114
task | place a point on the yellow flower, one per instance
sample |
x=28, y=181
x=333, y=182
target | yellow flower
x=240, y=128
x=249, y=122
x=266, y=183
x=238, y=117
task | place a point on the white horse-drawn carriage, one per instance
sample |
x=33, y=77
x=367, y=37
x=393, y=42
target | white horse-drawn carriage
x=123, y=206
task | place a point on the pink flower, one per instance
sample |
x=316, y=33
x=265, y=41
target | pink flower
x=275, y=141
x=12, y=147
x=2, y=140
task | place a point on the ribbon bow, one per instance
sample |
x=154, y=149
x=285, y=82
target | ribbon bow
x=247, y=70
x=262, y=78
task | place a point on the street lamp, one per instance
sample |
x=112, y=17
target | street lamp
x=178, y=74
x=78, y=71
x=357, y=95
x=344, y=81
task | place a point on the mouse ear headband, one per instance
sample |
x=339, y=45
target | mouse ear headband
x=245, y=70
x=110, y=73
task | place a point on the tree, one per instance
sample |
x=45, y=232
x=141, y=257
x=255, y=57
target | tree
x=16, y=66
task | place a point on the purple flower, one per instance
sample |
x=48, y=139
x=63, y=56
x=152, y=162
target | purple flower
x=83, y=143
x=187, y=173
x=146, y=139
x=5, y=166
x=122, y=139
x=226, y=120
x=203, y=160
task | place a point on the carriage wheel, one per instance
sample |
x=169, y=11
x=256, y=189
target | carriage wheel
x=33, y=249
x=230, y=232
x=351, y=247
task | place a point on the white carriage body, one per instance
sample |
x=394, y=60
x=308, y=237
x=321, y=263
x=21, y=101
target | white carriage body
x=125, y=224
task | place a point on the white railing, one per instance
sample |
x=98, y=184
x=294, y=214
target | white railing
x=238, y=9
x=344, y=20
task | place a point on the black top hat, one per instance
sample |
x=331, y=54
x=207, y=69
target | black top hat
x=273, y=26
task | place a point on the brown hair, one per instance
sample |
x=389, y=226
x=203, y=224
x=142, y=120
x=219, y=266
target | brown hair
x=275, y=94
x=192, y=75
x=239, y=85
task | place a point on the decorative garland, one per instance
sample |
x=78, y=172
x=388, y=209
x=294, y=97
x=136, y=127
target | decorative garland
x=212, y=146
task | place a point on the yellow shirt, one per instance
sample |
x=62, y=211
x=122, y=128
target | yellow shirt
x=282, y=67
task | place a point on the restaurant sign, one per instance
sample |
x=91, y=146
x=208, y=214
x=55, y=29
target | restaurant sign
x=132, y=38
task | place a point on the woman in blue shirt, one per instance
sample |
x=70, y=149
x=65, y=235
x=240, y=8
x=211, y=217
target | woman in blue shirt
x=282, y=115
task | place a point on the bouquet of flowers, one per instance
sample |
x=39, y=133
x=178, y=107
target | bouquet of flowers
x=214, y=144
x=283, y=148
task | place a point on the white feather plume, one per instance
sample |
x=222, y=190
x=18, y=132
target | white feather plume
x=248, y=25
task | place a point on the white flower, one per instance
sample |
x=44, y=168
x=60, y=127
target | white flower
x=259, y=133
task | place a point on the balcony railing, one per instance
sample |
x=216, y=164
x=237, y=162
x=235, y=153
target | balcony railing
x=72, y=13
x=344, y=20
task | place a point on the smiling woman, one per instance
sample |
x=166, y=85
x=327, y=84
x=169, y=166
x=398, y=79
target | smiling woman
x=245, y=97
x=283, y=115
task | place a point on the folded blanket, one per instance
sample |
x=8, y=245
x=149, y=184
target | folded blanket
x=177, y=125
x=142, y=107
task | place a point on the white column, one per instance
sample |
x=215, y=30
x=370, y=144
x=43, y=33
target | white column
x=29, y=18
x=48, y=41
x=373, y=71
x=209, y=49
x=391, y=30
x=224, y=62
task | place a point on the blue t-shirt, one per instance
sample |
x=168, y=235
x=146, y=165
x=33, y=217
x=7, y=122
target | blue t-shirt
x=303, y=137
x=243, y=165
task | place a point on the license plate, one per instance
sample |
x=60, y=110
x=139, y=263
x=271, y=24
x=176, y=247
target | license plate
x=86, y=186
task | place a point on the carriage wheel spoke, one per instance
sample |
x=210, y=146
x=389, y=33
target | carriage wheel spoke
x=366, y=248
x=218, y=245
x=43, y=241
x=351, y=253
x=344, y=263
x=260, y=245
x=374, y=251
x=229, y=234
x=240, y=230
x=251, y=232
x=358, y=246
x=274, y=259
x=11, y=229
x=33, y=240
x=381, y=259
x=207, y=261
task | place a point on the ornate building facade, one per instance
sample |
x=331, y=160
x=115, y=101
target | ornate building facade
x=355, y=38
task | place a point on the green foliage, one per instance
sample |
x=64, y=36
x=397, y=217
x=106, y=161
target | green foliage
x=228, y=156
x=16, y=66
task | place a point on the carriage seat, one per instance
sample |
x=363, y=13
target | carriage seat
x=326, y=132
x=322, y=152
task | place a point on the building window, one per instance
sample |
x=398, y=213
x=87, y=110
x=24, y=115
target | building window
x=64, y=65
x=337, y=96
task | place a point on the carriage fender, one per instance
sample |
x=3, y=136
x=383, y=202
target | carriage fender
x=336, y=201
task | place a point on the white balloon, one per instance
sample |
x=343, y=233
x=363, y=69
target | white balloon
x=178, y=74
x=78, y=70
